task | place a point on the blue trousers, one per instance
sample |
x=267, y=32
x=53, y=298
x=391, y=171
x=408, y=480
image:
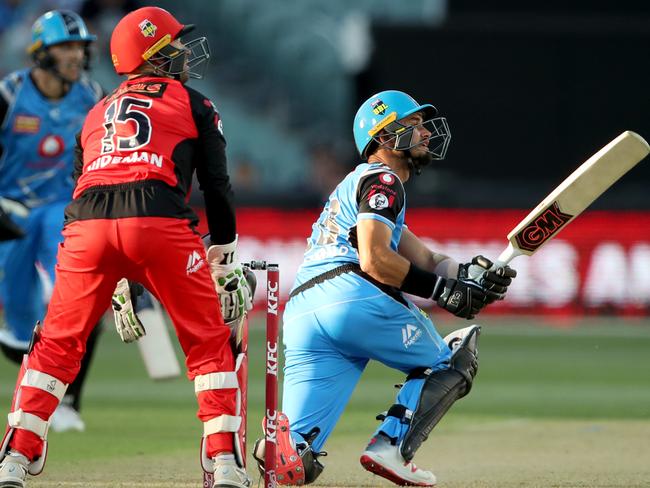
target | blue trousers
x=330, y=333
x=21, y=287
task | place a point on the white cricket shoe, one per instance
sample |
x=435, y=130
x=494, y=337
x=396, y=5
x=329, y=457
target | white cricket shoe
x=227, y=474
x=13, y=470
x=66, y=418
x=385, y=460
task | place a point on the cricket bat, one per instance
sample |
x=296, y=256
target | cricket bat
x=574, y=195
x=156, y=347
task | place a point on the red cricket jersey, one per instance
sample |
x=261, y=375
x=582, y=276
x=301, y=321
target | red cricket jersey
x=131, y=135
x=138, y=149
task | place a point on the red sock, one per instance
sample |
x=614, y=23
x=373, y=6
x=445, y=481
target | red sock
x=26, y=443
x=219, y=443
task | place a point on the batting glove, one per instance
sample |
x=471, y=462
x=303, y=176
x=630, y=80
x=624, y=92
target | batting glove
x=463, y=299
x=494, y=280
x=127, y=323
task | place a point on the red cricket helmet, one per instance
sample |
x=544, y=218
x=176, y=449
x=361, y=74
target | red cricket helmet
x=141, y=34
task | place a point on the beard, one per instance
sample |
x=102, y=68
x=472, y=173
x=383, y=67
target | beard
x=416, y=163
x=65, y=72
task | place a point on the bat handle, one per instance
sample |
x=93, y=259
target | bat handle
x=508, y=254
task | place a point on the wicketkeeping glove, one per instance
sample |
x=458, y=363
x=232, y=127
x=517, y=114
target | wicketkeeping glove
x=235, y=294
x=494, y=280
x=127, y=323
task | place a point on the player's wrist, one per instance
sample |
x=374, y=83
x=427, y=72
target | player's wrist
x=445, y=266
x=422, y=283
x=223, y=254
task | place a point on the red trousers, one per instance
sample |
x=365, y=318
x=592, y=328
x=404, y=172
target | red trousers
x=157, y=252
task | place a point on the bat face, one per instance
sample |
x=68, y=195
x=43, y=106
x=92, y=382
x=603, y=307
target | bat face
x=575, y=194
x=549, y=222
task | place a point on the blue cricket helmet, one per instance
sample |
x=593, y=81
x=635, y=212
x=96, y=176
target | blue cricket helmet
x=383, y=111
x=57, y=26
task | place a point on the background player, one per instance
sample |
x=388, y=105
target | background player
x=41, y=110
x=136, y=155
x=348, y=305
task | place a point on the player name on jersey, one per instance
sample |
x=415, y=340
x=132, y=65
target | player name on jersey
x=134, y=157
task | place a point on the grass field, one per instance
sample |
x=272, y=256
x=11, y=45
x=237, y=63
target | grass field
x=551, y=407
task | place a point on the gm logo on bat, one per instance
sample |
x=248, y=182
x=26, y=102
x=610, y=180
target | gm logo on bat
x=547, y=224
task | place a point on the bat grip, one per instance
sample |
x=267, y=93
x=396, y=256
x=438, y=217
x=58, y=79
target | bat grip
x=475, y=271
x=508, y=254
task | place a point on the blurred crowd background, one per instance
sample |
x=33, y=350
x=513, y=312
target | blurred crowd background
x=530, y=89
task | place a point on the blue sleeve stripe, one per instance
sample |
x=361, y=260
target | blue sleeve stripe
x=374, y=216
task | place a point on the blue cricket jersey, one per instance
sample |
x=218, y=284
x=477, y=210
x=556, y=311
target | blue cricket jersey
x=37, y=138
x=371, y=191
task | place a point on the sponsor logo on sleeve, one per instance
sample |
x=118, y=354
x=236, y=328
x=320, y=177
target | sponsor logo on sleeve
x=387, y=178
x=378, y=201
x=384, y=183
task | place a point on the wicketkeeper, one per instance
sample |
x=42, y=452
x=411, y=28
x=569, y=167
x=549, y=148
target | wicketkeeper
x=136, y=155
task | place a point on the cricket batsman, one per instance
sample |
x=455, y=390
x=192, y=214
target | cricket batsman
x=42, y=108
x=349, y=305
x=129, y=217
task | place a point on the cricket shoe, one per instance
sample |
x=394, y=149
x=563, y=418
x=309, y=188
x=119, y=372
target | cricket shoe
x=383, y=458
x=66, y=418
x=13, y=470
x=227, y=474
